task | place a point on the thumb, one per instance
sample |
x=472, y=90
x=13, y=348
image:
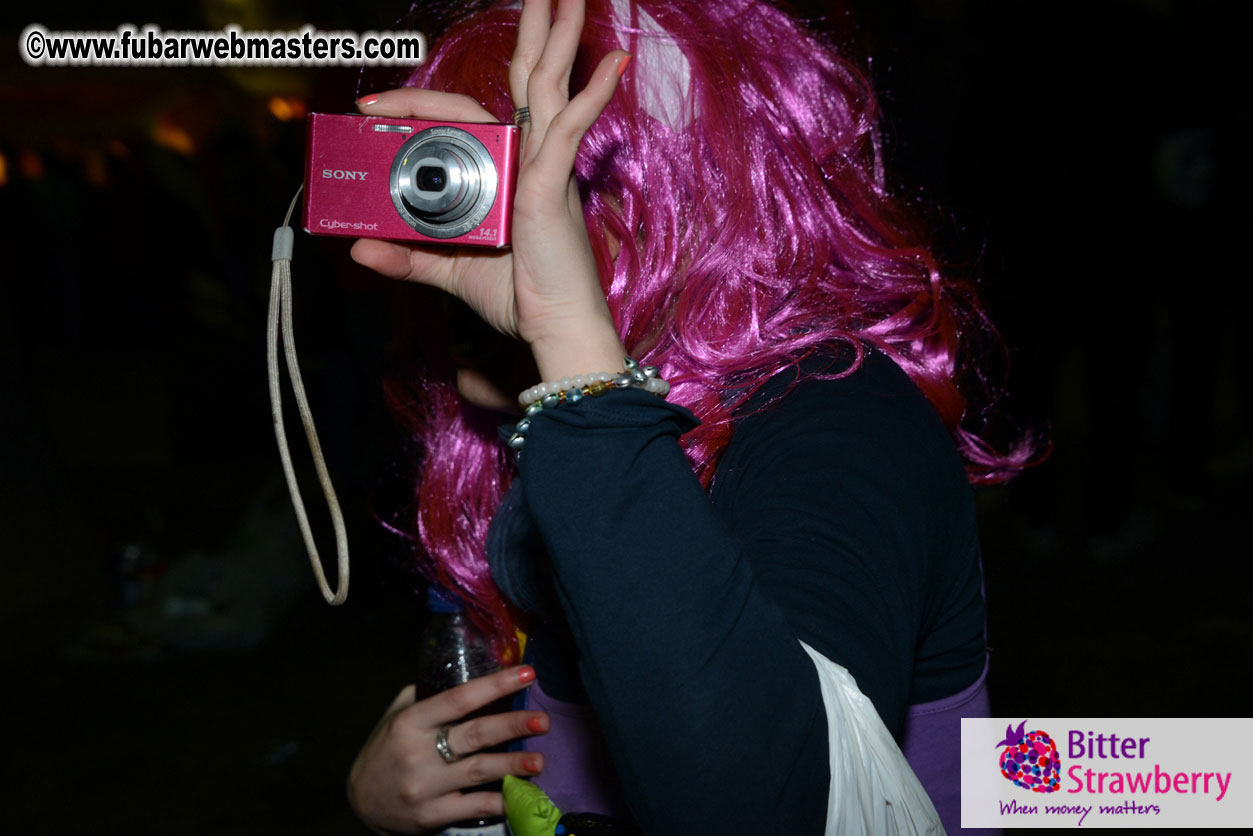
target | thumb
x=402, y=261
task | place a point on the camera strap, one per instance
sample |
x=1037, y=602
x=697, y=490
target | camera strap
x=281, y=312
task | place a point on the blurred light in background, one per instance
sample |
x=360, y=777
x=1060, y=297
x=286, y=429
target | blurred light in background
x=95, y=168
x=31, y=166
x=172, y=136
x=287, y=109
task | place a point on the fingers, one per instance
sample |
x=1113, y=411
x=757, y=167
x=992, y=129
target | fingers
x=485, y=732
x=417, y=103
x=533, y=28
x=548, y=87
x=399, y=778
x=459, y=807
x=555, y=157
x=403, y=700
x=476, y=388
x=539, y=78
x=477, y=770
x=455, y=703
x=487, y=767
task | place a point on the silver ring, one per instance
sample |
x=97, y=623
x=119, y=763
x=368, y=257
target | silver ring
x=522, y=114
x=441, y=745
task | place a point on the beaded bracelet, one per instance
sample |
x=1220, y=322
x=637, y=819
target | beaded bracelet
x=574, y=389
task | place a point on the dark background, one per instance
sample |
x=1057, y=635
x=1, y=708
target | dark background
x=171, y=667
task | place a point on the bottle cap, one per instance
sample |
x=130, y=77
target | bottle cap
x=441, y=600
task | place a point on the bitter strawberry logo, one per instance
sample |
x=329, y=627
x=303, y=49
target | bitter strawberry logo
x=1030, y=759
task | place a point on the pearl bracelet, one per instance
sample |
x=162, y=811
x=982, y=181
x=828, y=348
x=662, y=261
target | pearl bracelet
x=574, y=389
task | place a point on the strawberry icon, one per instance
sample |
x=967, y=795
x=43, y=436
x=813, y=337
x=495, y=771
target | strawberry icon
x=1030, y=759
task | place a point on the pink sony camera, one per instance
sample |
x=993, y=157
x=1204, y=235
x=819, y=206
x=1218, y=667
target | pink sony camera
x=410, y=179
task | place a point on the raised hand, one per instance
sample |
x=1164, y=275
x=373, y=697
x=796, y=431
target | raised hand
x=545, y=291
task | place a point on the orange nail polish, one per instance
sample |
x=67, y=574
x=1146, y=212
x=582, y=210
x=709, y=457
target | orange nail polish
x=622, y=65
x=526, y=674
x=535, y=724
x=365, y=101
x=531, y=764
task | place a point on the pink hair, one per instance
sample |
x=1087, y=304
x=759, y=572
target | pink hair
x=755, y=227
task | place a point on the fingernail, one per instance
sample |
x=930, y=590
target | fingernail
x=622, y=65
x=536, y=724
x=531, y=764
x=366, y=101
x=526, y=674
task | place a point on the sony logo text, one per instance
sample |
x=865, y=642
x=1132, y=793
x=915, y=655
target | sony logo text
x=337, y=174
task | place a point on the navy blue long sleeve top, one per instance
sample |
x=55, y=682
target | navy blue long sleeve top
x=839, y=516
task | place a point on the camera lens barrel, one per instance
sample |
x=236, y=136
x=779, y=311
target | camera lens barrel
x=443, y=182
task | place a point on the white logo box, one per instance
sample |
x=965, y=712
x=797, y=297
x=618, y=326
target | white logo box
x=1114, y=772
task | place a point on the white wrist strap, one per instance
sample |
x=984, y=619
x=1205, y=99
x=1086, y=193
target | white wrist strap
x=281, y=305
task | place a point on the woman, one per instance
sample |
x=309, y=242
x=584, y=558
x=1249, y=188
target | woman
x=711, y=202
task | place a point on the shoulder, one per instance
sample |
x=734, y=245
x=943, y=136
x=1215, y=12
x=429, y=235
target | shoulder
x=873, y=419
x=860, y=523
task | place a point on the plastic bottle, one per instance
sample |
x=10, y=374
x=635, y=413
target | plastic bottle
x=454, y=651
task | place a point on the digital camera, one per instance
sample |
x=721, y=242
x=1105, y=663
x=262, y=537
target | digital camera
x=410, y=179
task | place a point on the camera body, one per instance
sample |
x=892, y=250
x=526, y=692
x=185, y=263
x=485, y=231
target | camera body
x=410, y=179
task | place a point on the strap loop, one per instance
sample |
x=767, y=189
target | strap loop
x=281, y=310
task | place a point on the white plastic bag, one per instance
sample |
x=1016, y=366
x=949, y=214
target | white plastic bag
x=873, y=789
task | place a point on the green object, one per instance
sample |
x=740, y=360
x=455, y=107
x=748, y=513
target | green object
x=528, y=808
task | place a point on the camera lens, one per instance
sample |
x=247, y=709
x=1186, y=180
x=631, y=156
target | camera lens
x=432, y=179
x=443, y=181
